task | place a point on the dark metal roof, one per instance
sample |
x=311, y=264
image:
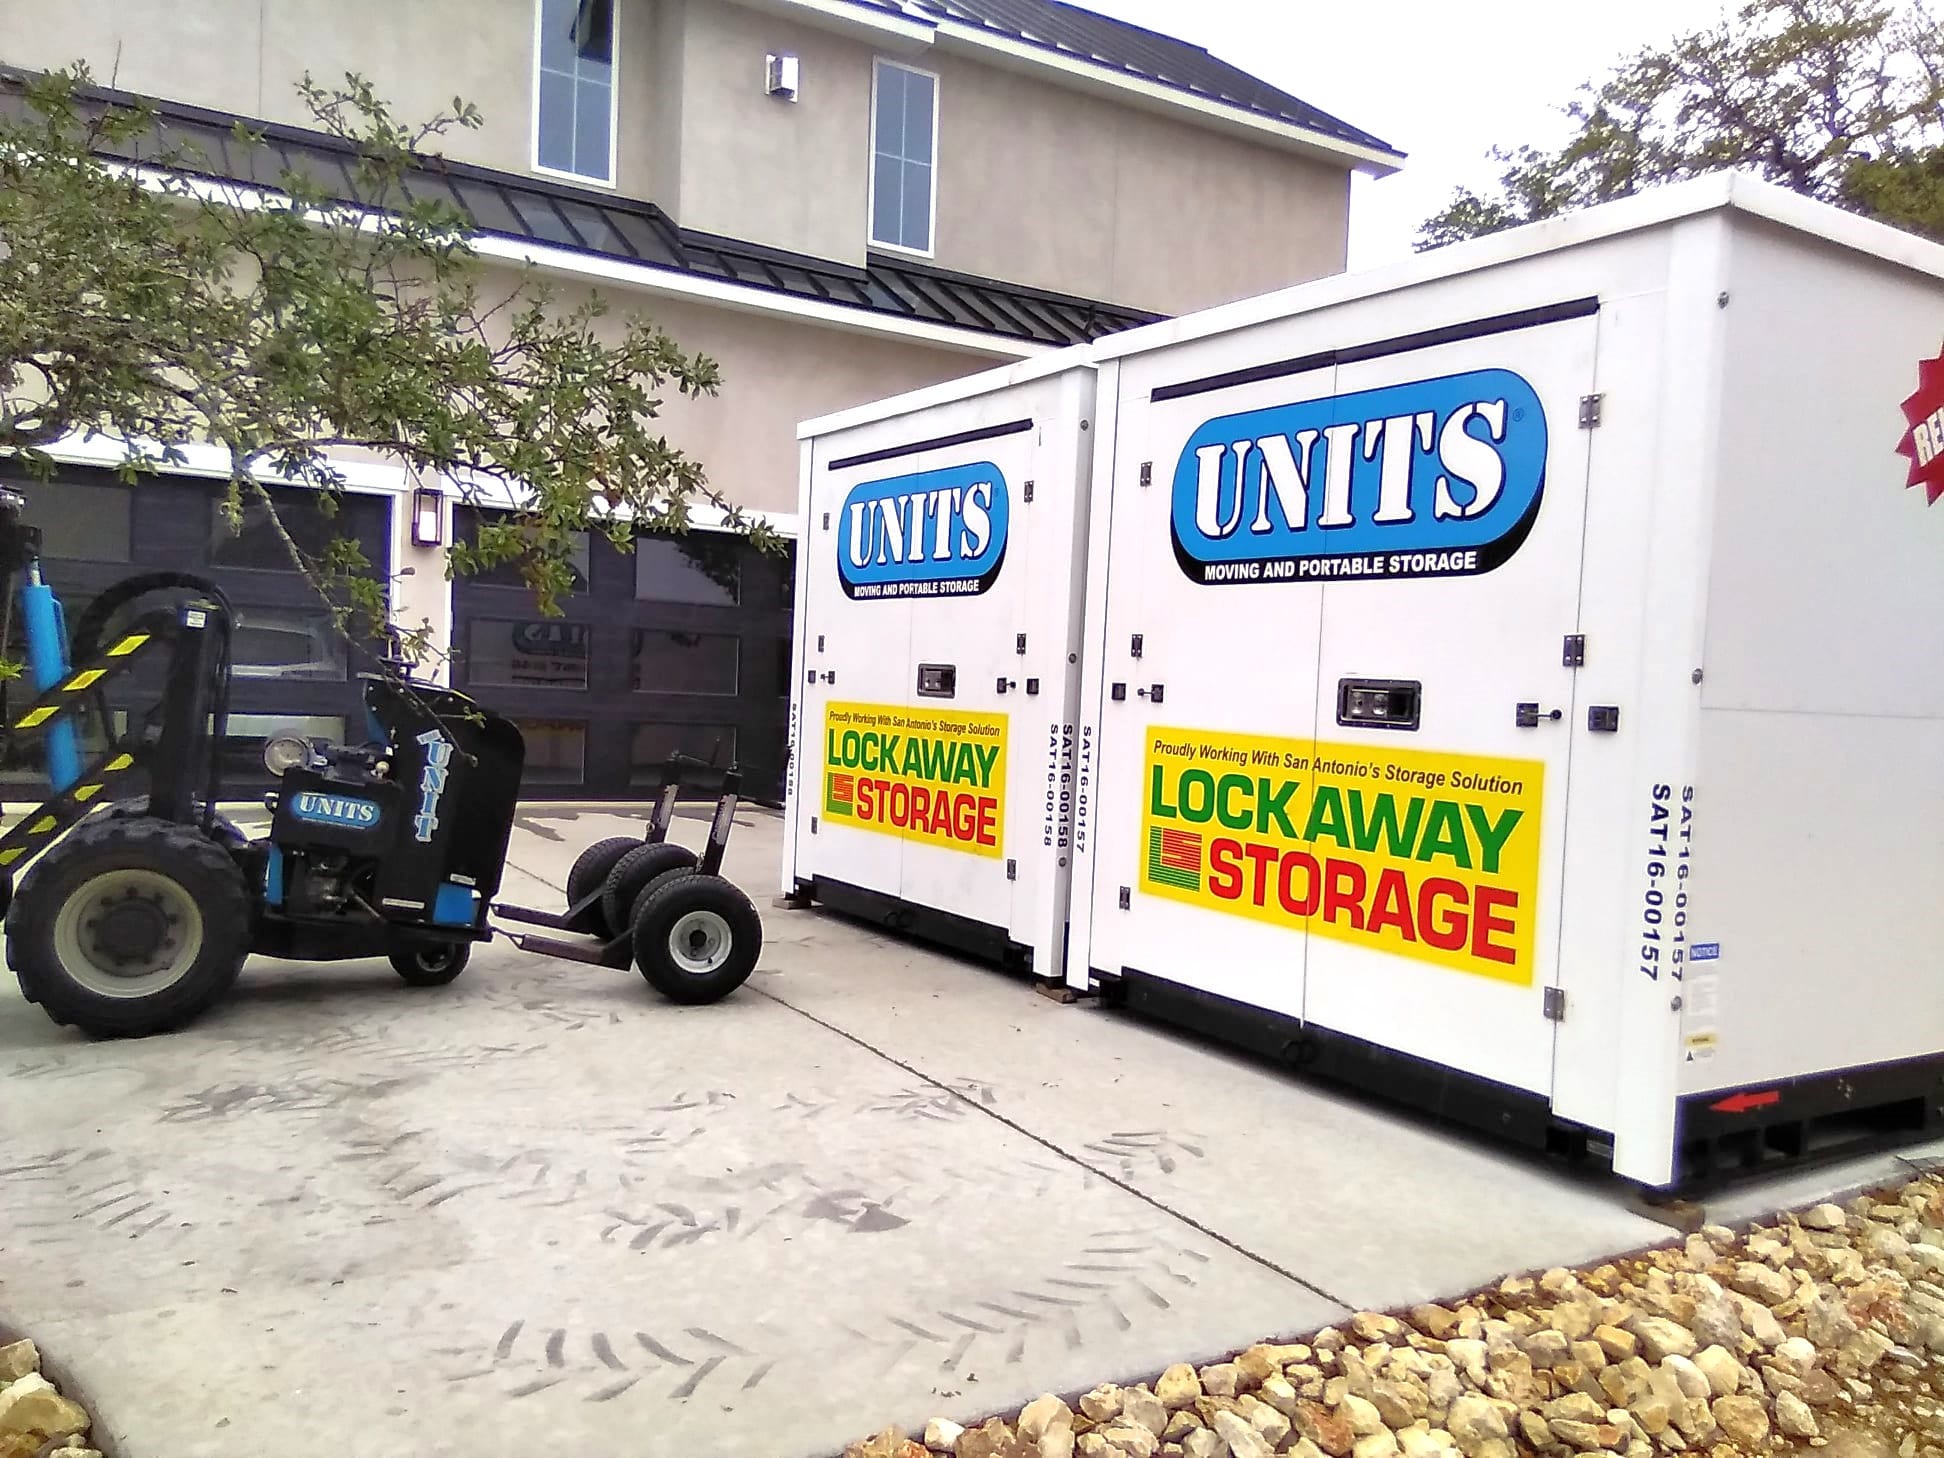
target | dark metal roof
x=603, y=225
x=1068, y=30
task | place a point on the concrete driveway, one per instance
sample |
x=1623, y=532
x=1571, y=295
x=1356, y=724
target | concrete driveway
x=542, y=1210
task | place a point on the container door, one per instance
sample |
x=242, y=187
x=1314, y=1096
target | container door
x=1436, y=807
x=1209, y=703
x=856, y=639
x=964, y=681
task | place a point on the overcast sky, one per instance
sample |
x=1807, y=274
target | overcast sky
x=1443, y=80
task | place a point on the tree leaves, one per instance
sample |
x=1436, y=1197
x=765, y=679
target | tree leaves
x=1841, y=100
x=329, y=317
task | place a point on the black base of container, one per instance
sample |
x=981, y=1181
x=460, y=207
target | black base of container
x=926, y=923
x=1725, y=1136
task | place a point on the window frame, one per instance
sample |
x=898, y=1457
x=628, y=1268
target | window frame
x=878, y=66
x=612, y=181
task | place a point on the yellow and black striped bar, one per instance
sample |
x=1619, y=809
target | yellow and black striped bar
x=48, y=819
x=116, y=659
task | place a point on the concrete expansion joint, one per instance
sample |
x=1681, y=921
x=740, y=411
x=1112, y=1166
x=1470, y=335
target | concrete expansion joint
x=1067, y=1156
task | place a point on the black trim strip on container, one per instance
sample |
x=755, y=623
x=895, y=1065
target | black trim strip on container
x=965, y=437
x=1402, y=344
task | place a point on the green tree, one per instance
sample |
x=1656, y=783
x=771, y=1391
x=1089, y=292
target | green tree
x=1842, y=100
x=296, y=327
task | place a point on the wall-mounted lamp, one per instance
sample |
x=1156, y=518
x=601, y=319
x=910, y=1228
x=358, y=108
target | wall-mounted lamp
x=780, y=75
x=428, y=517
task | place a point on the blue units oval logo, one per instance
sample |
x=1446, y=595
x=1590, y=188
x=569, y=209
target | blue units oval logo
x=1437, y=478
x=934, y=534
x=340, y=810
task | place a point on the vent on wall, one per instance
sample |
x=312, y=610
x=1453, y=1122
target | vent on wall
x=780, y=76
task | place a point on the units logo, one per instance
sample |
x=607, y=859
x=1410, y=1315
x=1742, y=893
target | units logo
x=934, y=534
x=1923, y=443
x=339, y=810
x=1438, y=478
x=1423, y=855
x=931, y=775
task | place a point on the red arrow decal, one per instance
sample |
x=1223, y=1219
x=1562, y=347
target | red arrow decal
x=1741, y=1103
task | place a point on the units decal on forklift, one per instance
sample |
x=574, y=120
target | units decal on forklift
x=1438, y=478
x=340, y=810
x=934, y=534
x=432, y=783
x=931, y=775
x=1420, y=854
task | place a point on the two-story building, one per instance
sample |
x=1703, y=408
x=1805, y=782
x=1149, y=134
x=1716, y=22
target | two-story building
x=835, y=199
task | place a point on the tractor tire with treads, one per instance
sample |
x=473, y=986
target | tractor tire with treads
x=129, y=926
x=633, y=871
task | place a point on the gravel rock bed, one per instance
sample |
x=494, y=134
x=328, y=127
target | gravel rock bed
x=1821, y=1331
x=36, y=1421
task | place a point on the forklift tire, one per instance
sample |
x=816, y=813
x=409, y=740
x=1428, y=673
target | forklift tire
x=641, y=897
x=633, y=871
x=590, y=874
x=697, y=939
x=433, y=964
x=129, y=926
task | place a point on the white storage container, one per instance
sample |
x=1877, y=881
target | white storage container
x=1528, y=663
x=940, y=579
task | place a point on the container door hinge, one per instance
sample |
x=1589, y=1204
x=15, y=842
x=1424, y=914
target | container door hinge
x=1012, y=870
x=1147, y=473
x=1556, y=1004
x=826, y=524
x=1027, y=491
x=1573, y=655
x=820, y=638
x=813, y=825
x=1134, y=648
x=1019, y=643
x=1589, y=414
x=1126, y=898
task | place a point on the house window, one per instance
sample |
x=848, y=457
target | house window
x=573, y=93
x=904, y=146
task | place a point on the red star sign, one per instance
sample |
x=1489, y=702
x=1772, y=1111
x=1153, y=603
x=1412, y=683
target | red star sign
x=1923, y=443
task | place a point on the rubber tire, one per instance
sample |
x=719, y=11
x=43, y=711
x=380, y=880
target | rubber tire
x=590, y=874
x=409, y=963
x=641, y=897
x=633, y=871
x=201, y=867
x=677, y=897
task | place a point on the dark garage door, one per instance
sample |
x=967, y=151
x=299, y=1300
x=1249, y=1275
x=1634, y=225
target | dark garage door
x=292, y=671
x=682, y=646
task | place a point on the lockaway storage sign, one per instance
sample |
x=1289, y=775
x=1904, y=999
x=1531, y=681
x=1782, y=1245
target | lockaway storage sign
x=932, y=775
x=1424, y=855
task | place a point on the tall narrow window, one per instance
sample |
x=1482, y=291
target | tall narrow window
x=904, y=147
x=573, y=94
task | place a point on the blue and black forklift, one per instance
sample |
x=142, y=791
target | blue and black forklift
x=136, y=911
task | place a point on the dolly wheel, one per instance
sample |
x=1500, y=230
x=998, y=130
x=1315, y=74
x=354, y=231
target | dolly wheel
x=129, y=926
x=641, y=897
x=697, y=939
x=433, y=964
x=633, y=871
x=590, y=874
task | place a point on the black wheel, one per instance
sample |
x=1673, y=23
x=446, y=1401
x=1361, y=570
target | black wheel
x=432, y=964
x=697, y=939
x=129, y=926
x=633, y=871
x=590, y=874
x=641, y=897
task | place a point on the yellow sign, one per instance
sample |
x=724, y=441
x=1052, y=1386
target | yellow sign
x=1424, y=855
x=933, y=775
